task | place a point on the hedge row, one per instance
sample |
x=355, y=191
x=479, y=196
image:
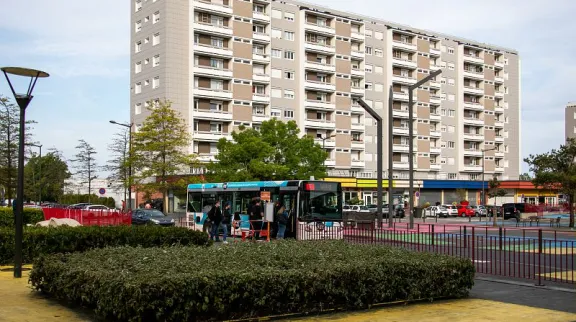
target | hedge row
x=246, y=280
x=31, y=216
x=64, y=239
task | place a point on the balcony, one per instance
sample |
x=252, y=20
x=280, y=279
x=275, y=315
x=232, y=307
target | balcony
x=358, y=54
x=402, y=113
x=435, y=133
x=357, y=90
x=261, y=57
x=499, y=154
x=499, y=94
x=435, y=99
x=435, y=51
x=320, y=124
x=435, y=166
x=212, y=50
x=316, y=85
x=474, y=59
x=473, y=90
x=262, y=16
x=210, y=136
x=321, y=48
x=357, y=109
x=473, y=121
x=435, y=67
x=261, y=78
x=473, y=136
x=212, y=72
x=400, y=165
x=473, y=106
x=357, y=145
x=326, y=144
x=403, y=148
x=404, y=62
x=357, y=72
x=435, y=150
x=499, y=63
x=400, y=130
x=499, y=124
x=206, y=157
x=357, y=35
x=320, y=105
x=325, y=30
x=213, y=7
x=404, y=45
x=473, y=74
x=212, y=115
x=498, y=79
x=259, y=118
x=261, y=36
x=499, y=138
x=434, y=83
x=357, y=164
x=263, y=98
x=404, y=79
x=357, y=127
x=473, y=152
x=330, y=162
x=473, y=167
x=319, y=66
x=499, y=169
x=213, y=93
x=219, y=30
x=498, y=109
x=435, y=117
x=401, y=95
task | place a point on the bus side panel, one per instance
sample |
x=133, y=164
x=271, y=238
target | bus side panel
x=319, y=230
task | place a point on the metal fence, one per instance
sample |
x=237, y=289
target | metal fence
x=532, y=253
x=92, y=217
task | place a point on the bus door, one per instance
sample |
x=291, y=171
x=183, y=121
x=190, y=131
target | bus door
x=288, y=200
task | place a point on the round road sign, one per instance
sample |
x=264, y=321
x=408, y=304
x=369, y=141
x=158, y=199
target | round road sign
x=101, y=191
x=417, y=194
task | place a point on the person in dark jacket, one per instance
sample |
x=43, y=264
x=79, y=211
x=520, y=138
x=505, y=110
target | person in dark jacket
x=282, y=220
x=256, y=214
x=215, y=215
x=226, y=221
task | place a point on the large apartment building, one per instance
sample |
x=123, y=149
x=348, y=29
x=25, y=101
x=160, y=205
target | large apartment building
x=226, y=63
x=570, y=121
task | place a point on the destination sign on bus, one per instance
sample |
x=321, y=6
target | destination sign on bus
x=320, y=186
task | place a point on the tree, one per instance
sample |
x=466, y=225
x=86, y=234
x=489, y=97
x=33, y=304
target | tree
x=119, y=163
x=525, y=177
x=9, y=138
x=275, y=152
x=85, y=164
x=556, y=170
x=160, y=150
x=46, y=175
x=461, y=193
x=495, y=191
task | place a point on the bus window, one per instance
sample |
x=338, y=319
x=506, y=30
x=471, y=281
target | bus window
x=320, y=201
x=194, y=202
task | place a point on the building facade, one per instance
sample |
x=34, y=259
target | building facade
x=226, y=63
x=570, y=121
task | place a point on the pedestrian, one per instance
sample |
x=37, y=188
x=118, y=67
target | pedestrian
x=226, y=220
x=256, y=214
x=282, y=220
x=215, y=216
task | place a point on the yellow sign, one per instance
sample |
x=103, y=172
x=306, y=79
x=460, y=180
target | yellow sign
x=265, y=195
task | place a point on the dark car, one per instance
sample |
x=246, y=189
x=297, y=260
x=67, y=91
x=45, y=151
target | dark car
x=151, y=217
x=515, y=210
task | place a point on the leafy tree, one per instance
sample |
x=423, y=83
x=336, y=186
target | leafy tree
x=46, y=175
x=355, y=201
x=495, y=191
x=525, y=177
x=119, y=164
x=85, y=164
x=275, y=152
x=9, y=138
x=461, y=193
x=556, y=170
x=160, y=150
x=71, y=198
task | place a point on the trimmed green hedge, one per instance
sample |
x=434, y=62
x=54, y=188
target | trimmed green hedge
x=246, y=280
x=64, y=239
x=31, y=216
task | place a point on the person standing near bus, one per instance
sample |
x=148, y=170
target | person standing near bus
x=215, y=216
x=256, y=214
x=226, y=220
x=282, y=220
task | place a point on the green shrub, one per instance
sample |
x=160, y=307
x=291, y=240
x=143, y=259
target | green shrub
x=246, y=280
x=31, y=216
x=51, y=240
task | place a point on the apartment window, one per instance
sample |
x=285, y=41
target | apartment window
x=451, y=144
x=289, y=55
x=138, y=88
x=276, y=53
x=138, y=47
x=450, y=50
x=138, y=108
x=156, y=61
x=368, y=33
x=276, y=73
x=217, y=42
x=258, y=8
x=156, y=17
x=258, y=49
x=368, y=86
x=276, y=14
x=378, y=52
x=258, y=110
x=289, y=114
x=378, y=35
x=275, y=112
x=276, y=33
x=156, y=39
x=379, y=70
x=217, y=84
x=289, y=75
x=452, y=176
x=216, y=127
x=288, y=35
x=450, y=81
x=451, y=97
x=138, y=67
x=258, y=69
x=138, y=6
x=289, y=94
x=368, y=50
x=259, y=29
x=321, y=22
x=156, y=82
x=138, y=26
x=451, y=113
x=323, y=97
x=321, y=59
x=276, y=93
x=215, y=106
x=368, y=68
x=451, y=66
x=259, y=89
x=147, y=82
x=213, y=148
x=216, y=63
x=289, y=16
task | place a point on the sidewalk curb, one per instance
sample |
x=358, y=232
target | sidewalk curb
x=551, y=288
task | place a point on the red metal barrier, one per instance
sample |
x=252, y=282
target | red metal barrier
x=93, y=217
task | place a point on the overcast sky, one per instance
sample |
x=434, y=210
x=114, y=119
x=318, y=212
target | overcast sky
x=85, y=46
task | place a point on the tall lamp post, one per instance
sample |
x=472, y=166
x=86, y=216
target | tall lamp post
x=39, y=171
x=129, y=127
x=483, y=202
x=22, y=100
x=411, y=89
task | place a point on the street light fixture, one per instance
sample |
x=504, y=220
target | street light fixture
x=39, y=171
x=411, y=89
x=483, y=203
x=22, y=100
x=129, y=127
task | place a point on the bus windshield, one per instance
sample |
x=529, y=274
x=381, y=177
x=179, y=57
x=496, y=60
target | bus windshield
x=320, y=201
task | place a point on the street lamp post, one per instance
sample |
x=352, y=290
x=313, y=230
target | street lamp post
x=129, y=127
x=39, y=172
x=22, y=100
x=483, y=203
x=411, y=89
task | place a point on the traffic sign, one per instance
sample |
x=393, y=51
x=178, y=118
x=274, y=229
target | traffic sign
x=417, y=194
x=101, y=191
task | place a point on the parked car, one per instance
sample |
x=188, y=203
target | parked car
x=479, y=210
x=151, y=217
x=373, y=208
x=465, y=211
x=357, y=208
x=79, y=205
x=452, y=210
x=96, y=207
x=515, y=210
x=434, y=211
x=491, y=210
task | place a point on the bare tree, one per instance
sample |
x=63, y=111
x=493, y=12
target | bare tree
x=85, y=164
x=118, y=165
